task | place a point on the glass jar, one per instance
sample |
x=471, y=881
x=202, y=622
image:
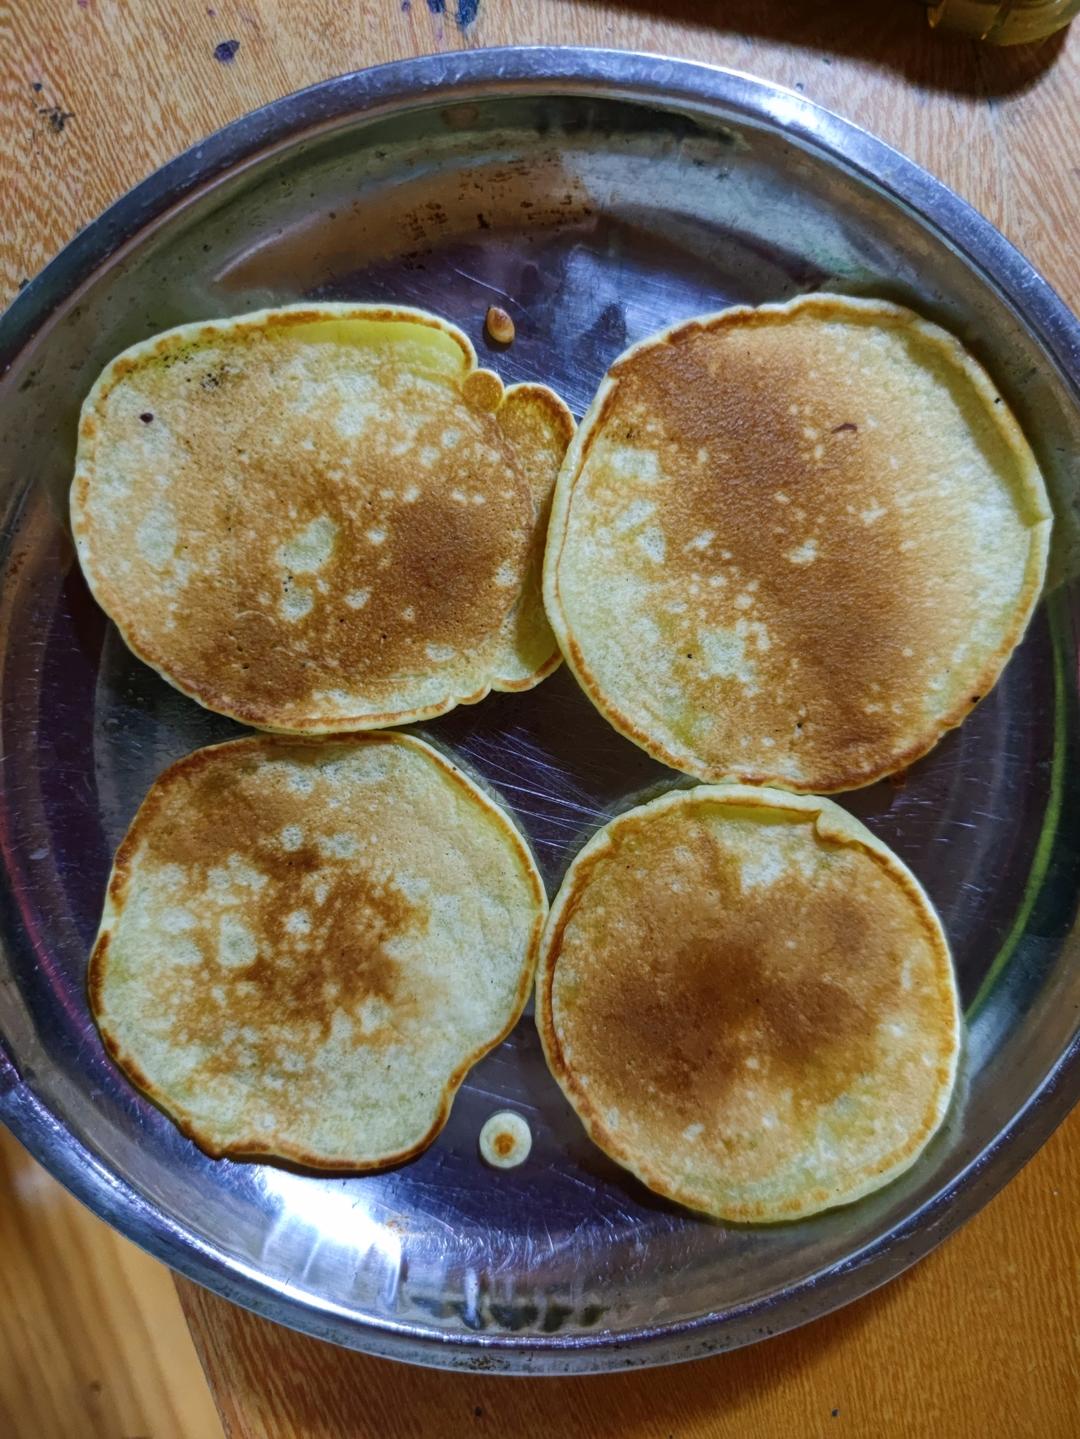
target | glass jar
x=1004, y=22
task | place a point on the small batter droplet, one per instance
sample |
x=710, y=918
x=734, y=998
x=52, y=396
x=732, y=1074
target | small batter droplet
x=505, y=1140
x=500, y=326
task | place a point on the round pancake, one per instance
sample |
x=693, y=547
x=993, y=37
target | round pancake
x=794, y=545
x=306, y=945
x=749, y=1001
x=316, y=518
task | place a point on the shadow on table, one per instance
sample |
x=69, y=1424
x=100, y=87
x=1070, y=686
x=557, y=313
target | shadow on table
x=312, y=1389
x=893, y=34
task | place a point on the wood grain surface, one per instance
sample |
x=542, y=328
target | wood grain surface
x=92, y=1341
x=982, y=1338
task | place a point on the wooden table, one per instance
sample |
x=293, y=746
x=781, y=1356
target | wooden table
x=983, y=1337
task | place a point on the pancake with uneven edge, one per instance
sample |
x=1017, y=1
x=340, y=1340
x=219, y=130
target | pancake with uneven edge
x=307, y=943
x=795, y=545
x=540, y=427
x=749, y=1001
x=316, y=519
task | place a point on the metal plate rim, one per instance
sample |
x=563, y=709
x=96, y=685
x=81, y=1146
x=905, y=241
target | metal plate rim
x=667, y=82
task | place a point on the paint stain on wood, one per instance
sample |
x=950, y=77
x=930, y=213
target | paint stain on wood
x=57, y=118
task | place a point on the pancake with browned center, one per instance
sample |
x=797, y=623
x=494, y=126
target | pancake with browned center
x=795, y=545
x=307, y=943
x=320, y=518
x=749, y=1001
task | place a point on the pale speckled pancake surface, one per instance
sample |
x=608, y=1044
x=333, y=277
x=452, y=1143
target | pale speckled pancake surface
x=307, y=943
x=794, y=545
x=749, y=1001
x=322, y=517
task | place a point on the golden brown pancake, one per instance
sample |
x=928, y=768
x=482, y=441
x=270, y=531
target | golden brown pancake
x=795, y=545
x=306, y=945
x=322, y=517
x=540, y=428
x=749, y=1001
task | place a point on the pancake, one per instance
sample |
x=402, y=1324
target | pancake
x=749, y=1001
x=307, y=943
x=540, y=428
x=316, y=519
x=794, y=545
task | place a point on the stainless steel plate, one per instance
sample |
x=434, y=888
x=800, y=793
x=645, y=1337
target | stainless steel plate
x=596, y=196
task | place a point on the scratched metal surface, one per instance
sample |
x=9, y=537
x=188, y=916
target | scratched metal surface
x=597, y=198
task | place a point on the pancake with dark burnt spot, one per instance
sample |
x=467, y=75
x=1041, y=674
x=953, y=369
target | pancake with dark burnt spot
x=306, y=945
x=320, y=518
x=749, y=1001
x=795, y=545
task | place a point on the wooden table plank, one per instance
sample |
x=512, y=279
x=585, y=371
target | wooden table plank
x=981, y=1338
x=92, y=1341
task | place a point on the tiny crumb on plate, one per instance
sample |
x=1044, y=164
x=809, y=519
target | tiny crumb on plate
x=505, y=1140
x=499, y=325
